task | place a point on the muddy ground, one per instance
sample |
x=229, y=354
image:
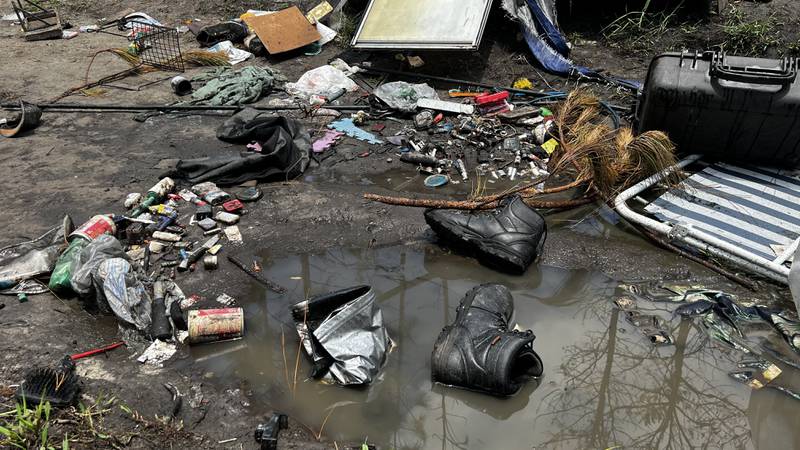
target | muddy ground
x=83, y=164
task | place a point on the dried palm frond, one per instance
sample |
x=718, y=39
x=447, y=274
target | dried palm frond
x=612, y=160
x=198, y=58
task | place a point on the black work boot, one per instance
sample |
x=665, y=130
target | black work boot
x=508, y=238
x=478, y=352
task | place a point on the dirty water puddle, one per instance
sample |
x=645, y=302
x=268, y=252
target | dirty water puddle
x=604, y=384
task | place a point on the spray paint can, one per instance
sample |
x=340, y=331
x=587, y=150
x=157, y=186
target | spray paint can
x=94, y=228
x=213, y=325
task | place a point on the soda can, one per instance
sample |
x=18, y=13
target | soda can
x=212, y=325
x=95, y=227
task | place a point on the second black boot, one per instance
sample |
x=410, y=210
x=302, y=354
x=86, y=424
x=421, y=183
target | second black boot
x=508, y=238
x=478, y=352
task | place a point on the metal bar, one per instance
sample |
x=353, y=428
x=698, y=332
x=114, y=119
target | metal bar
x=694, y=237
x=421, y=76
x=79, y=107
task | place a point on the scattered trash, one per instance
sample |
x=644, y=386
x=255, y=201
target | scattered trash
x=27, y=260
x=256, y=275
x=158, y=353
x=59, y=387
x=226, y=86
x=213, y=325
x=327, y=141
x=436, y=180
x=231, y=31
x=27, y=119
x=288, y=139
x=441, y=105
x=68, y=263
x=501, y=360
x=227, y=300
x=267, y=433
x=37, y=20
x=349, y=128
x=324, y=81
x=234, y=55
x=344, y=335
x=233, y=234
x=403, y=96
x=283, y=30
x=250, y=194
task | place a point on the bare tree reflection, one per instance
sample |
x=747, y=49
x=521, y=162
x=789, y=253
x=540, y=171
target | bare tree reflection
x=620, y=391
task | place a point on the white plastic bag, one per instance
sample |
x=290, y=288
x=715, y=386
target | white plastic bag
x=324, y=81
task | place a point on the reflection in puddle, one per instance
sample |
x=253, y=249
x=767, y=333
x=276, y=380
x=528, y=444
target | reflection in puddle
x=604, y=385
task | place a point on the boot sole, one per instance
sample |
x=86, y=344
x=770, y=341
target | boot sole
x=487, y=251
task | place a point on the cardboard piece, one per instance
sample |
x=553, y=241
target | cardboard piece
x=284, y=30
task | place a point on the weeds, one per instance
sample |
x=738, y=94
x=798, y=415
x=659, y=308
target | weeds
x=749, y=37
x=25, y=428
x=640, y=30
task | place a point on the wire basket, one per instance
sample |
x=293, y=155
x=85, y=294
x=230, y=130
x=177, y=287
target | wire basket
x=155, y=45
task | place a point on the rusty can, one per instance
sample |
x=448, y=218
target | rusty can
x=95, y=227
x=210, y=325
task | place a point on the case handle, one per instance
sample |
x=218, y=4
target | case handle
x=754, y=75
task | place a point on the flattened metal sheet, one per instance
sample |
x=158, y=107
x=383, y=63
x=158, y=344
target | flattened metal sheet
x=423, y=24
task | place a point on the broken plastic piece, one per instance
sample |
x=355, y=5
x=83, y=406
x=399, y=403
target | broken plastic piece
x=327, y=141
x=347, y=127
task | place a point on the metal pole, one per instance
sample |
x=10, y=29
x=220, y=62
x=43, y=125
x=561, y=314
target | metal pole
x=81, y=107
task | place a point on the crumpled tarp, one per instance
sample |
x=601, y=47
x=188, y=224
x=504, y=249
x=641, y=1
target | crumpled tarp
x=403, y=96
x=344, y=334
x=286, y=151
x=539, y=25
x=226, y=86
x=102, y=248
x=118, y=286
x=103, y=271
x=26, y=260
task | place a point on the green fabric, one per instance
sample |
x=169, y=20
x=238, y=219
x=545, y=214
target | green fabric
x=228, y=87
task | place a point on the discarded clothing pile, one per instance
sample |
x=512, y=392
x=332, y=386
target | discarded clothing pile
x=284, y=145
x=226, y=86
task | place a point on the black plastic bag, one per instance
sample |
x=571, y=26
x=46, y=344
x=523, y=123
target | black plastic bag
x=285, y=153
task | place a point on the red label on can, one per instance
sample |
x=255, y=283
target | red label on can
x=96, y=227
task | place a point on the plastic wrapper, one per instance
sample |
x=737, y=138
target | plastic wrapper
x=344, y=334
x=403, y=96
x=325, y=81
x=92, y=255
x=26, y=260
x=118, y=286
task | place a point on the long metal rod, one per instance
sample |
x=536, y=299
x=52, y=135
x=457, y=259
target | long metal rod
x=421, y=76
x=78, y=106
x=694, y=237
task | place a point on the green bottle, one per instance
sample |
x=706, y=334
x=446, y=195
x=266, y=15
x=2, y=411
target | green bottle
x=61, y=278
x=154, y=196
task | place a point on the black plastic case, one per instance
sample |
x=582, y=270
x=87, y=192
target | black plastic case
x=725, y=107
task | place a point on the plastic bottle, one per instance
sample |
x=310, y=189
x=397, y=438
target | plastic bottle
x=154, y=195
x=60, y=280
